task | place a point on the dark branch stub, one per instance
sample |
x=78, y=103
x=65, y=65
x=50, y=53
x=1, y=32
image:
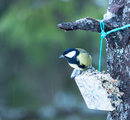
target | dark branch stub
x=114, y=8
x=117, y=4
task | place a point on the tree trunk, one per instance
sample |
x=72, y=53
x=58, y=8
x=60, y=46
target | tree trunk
x=117, y=48
x=118, y=56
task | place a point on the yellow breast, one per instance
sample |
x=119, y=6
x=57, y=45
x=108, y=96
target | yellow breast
x=74, y=66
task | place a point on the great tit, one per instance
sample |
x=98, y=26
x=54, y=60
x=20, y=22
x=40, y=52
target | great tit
x=77, y=58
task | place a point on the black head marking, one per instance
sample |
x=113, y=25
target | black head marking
x=69, y=50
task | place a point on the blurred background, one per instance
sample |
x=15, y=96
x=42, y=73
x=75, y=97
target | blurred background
x=34, y=83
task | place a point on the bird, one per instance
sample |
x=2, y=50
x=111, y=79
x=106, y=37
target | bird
x=77, y=58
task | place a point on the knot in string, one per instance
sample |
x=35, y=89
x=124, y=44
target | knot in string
x=102, y=26
x=104, y=34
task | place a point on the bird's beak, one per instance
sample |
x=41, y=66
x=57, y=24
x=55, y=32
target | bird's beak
x=62, y=56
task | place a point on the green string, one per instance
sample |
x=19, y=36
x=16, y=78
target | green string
x=104, y=34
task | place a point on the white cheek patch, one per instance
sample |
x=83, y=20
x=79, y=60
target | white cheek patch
x=71, y=54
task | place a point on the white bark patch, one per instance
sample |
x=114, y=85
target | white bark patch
x=128, y=70
x=108, y=15
x=119, y=34
x=128, y=1
x=125, y=114
x=115, y=25
x=84, y=20
x=110, y=1
x=125, y=11
x=71, y=54
x=127, y=106
x=118, y=51
x=89, y=21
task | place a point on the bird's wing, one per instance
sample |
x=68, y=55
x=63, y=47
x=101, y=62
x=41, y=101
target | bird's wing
x=75, y=73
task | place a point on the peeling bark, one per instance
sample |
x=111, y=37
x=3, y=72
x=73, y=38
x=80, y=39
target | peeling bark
x=117, y=48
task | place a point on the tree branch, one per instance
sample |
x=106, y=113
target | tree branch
x=84, y=24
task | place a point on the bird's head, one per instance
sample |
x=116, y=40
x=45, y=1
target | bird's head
x=70, y=53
